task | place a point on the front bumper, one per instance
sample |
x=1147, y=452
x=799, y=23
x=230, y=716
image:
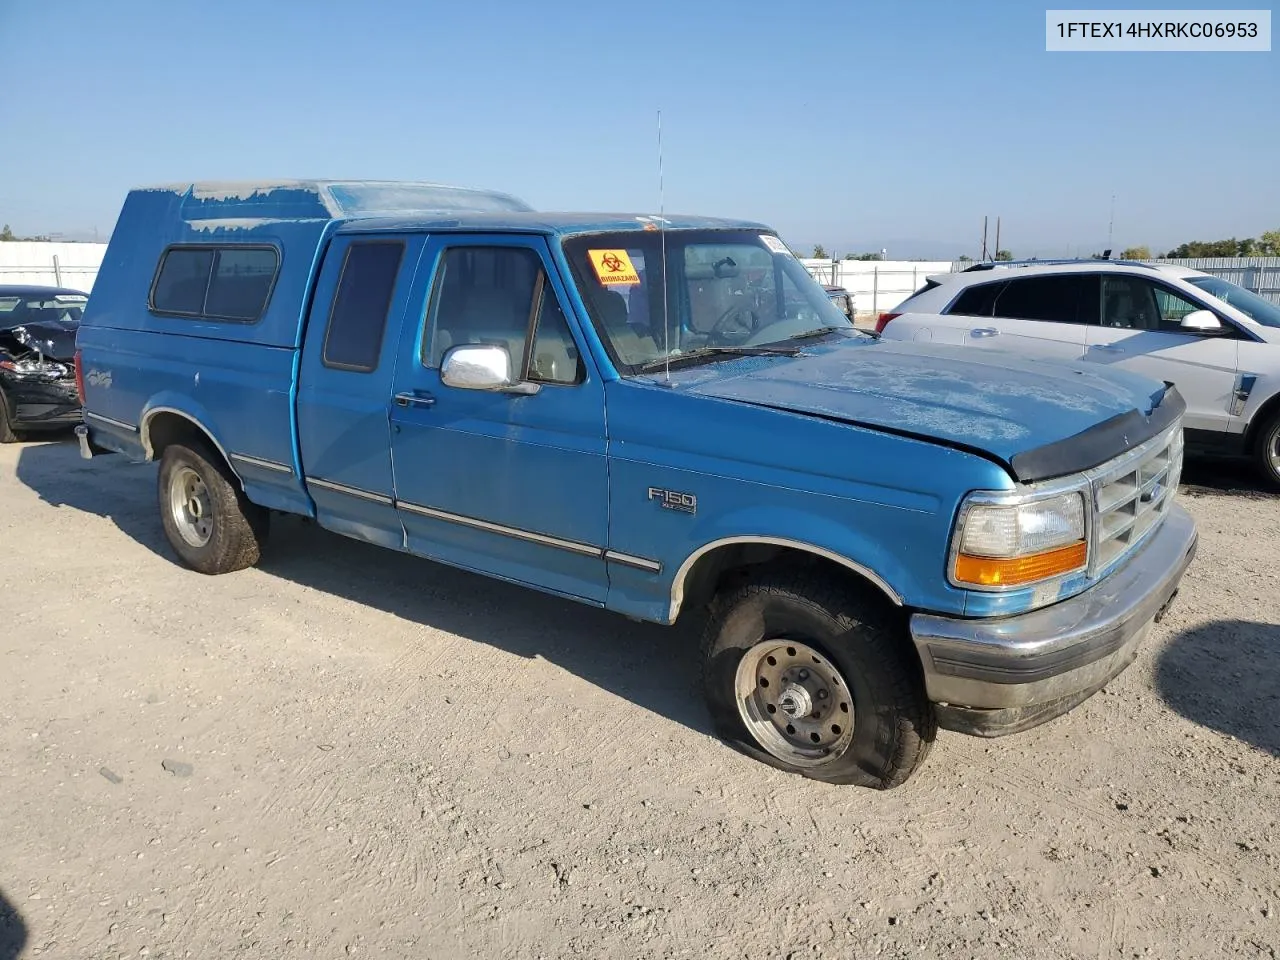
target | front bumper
x=1002, y=675
x=39, y=405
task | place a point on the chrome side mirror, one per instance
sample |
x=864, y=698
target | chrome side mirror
x=1201, y=321
x=481, y=366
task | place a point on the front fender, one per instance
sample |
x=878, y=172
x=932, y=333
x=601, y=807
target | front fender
x=867, y=555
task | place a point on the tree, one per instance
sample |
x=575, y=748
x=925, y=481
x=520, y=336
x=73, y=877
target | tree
x=965, y=258
x=862, y=256
x=1269, y=244
x=1136, y=253
x=1003, y=255
x=1212, y=248
x=7, y=234
x=818, y=252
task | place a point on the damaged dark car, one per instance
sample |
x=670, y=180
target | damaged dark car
x=37, y=359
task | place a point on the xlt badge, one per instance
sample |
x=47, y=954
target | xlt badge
x=674, y=500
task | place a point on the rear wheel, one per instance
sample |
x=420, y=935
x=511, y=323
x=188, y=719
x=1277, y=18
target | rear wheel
x=1266, y=452
x=803, y=674
x=209, y=522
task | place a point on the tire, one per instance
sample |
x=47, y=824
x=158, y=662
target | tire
x=211, y=525
x=839, y=658
x=1266, y=451
x=7, y=433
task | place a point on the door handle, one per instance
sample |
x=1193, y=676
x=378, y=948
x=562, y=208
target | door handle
x=985, y=332
x=415, y=398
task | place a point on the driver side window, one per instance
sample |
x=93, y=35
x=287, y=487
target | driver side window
x=1128, y=303
x=501, y=295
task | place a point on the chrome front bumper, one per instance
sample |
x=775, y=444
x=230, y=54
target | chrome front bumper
x=1001, y=675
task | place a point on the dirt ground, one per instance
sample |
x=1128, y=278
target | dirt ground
x=349, y=752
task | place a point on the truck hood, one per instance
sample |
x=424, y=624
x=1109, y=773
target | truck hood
x=1038, y=418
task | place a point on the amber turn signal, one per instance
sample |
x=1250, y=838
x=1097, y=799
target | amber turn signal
x=1014, y=571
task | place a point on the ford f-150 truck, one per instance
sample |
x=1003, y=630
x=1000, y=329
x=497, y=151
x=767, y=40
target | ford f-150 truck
x=656, y=415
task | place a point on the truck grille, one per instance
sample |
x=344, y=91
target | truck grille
x=1131, y=495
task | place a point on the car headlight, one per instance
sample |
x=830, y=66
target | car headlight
x=28, y=369
x=1000, y=545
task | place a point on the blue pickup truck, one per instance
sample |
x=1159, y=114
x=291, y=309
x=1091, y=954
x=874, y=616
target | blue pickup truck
x=662, y=416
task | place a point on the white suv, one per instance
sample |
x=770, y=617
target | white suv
x=1217, y=341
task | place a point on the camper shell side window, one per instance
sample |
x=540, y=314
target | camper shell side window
x=225, y=282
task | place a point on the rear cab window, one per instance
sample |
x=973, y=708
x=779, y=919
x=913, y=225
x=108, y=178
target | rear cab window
x=358, y=316
x=231, y=282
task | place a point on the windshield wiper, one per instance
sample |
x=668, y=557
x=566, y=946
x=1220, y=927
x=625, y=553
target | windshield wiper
x=702, y=352
x=815, y=332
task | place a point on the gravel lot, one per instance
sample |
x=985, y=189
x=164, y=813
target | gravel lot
x=352, y=752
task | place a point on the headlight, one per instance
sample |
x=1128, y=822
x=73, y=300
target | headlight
x=1015, y=544
x=34, y=369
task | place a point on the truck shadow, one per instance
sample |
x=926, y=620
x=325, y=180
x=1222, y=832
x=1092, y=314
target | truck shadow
x=652, y=666
x=13, y=931
x=1225, y=675
x=1218, y=476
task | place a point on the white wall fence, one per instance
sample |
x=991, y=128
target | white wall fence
x=876, y=285
x=43, y=263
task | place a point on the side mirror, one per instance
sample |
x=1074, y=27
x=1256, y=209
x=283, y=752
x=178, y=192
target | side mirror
x=1201, y=321
x=481, y=366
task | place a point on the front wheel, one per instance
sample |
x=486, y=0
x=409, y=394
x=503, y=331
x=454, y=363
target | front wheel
x=210, y=523
x=1267, y=451
x=803, y=674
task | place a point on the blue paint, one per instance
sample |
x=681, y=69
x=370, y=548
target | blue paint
x=858, y=448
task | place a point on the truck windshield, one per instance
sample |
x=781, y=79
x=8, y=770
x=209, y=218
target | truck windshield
x=724, y=290
x=1250, y=304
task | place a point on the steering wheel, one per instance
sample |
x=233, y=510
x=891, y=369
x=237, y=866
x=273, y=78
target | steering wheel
x=734, y=325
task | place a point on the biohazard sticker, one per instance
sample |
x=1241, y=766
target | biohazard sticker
x=613, y=266
x=774, y=244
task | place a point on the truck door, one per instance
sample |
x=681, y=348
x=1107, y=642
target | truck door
x=348, y=359
x=510, y=484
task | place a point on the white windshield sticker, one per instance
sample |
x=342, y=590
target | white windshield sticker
x=774, y=244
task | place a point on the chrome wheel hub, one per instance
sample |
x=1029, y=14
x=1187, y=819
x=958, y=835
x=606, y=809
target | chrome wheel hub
x=795, y=702
x=190, y=507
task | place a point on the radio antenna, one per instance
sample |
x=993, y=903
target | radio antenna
x=662, y=233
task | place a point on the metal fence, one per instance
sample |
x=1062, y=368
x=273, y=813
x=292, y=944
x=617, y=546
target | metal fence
x=1259, y=274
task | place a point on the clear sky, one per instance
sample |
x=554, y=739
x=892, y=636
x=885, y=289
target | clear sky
x=854, y=124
